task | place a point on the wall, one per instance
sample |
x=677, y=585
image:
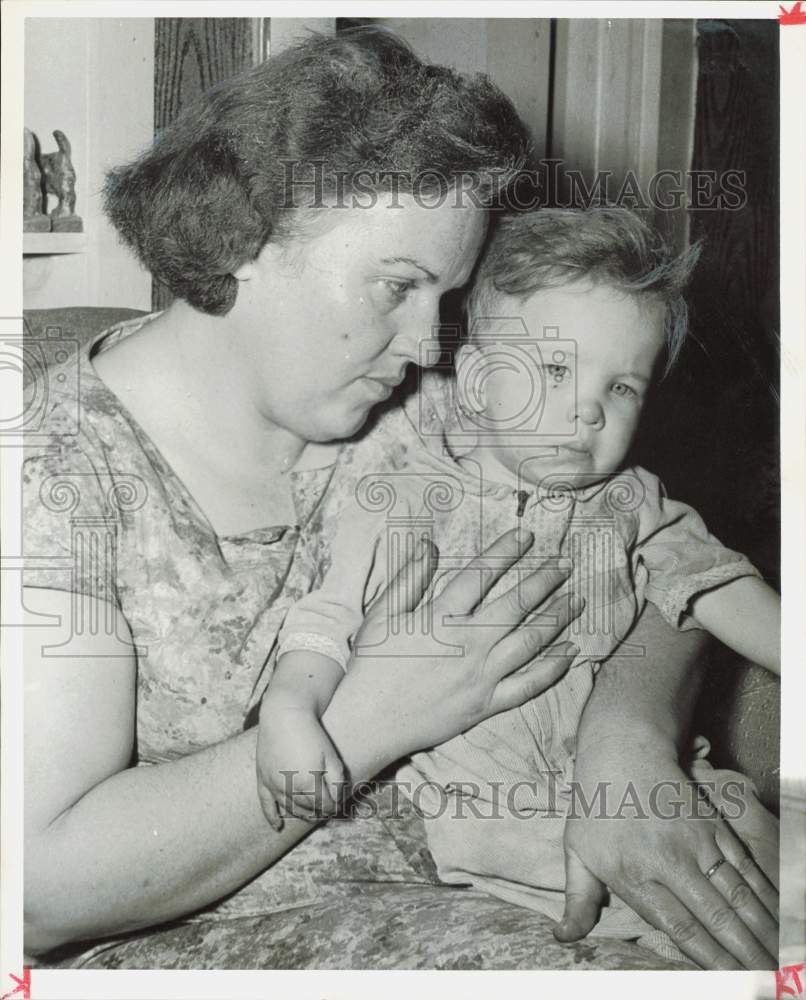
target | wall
x=285, y=31
x=72, y=69
x=624, y=104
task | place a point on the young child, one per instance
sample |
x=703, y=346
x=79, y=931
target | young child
x=570, y=316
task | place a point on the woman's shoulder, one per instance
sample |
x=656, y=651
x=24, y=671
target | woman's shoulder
x=83, y=462
x=78, y=426
x=63, y=391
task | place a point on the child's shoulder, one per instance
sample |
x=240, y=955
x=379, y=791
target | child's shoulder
x=634, y=498
x=630, y=491
x=643, y=484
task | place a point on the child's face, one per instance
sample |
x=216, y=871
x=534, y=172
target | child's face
x=587, y=391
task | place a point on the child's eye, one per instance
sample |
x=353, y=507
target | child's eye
x=622, y=389
x=558, y=373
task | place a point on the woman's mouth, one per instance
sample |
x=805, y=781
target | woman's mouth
x=379, y=390
x=383, y=387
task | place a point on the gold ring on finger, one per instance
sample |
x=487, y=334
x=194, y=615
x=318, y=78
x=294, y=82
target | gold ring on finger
x=714, y=868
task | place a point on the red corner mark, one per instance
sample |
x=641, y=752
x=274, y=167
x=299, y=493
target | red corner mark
x=23, y=987
x=794, y=16
x=782, y=976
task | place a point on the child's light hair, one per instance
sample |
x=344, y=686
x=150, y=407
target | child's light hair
x=553, y=247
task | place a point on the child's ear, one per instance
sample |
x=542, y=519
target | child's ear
x=469, y=383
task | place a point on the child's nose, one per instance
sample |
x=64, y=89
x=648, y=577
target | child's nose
x=589, y=411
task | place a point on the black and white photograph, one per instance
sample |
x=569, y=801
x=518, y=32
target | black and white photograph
x=403, y=470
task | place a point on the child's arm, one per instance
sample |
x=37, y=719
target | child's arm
x=297, y=764
x=694, y=580
x=304, y=679
x=745, y=614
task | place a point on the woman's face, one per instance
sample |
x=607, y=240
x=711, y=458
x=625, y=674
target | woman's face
x=326, y=326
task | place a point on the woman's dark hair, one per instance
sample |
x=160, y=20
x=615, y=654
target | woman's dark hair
x=328, y=115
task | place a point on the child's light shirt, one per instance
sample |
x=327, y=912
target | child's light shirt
x=625, y=543
x=624, y=540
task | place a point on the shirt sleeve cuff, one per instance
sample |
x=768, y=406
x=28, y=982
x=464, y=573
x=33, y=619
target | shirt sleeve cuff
x=316, y=643
x=674, y=603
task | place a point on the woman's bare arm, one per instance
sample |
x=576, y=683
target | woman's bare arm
x=652, y=692
x=632, y=733
x=111, y=848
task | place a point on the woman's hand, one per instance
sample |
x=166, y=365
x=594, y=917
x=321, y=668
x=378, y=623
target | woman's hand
x=631, y=733
x=655, y=858
x=424, y=672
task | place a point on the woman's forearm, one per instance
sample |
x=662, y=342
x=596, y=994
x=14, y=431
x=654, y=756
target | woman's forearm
x=647, y=697
x=150, y=844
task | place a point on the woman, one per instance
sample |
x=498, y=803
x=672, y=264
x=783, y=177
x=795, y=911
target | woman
x=282, y=213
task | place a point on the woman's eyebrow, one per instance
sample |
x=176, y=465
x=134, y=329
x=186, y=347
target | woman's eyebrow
x=433, y=278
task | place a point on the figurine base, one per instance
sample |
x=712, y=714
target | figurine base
x=36, y=224
x=67, y=224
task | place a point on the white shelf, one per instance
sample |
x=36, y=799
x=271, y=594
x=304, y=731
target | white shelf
x=53, y=243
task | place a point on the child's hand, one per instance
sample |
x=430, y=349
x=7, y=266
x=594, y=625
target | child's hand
x=299, y=771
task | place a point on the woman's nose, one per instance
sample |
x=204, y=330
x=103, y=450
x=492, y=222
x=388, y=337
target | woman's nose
x=418, y=340
x=589, y=411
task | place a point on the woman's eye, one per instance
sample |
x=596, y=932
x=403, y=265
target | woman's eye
x=622, y=389
x=394, y=290
x=558, y=373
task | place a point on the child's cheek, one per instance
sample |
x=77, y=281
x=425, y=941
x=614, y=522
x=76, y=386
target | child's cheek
x=513, y=394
